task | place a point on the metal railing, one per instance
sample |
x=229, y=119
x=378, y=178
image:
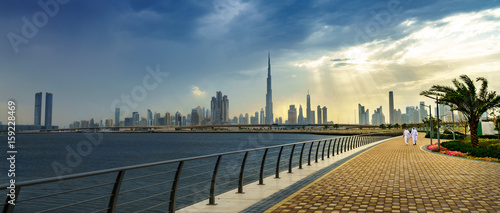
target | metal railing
x=173, y=184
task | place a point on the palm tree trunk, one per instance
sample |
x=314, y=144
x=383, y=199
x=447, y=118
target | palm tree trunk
x=474, y=138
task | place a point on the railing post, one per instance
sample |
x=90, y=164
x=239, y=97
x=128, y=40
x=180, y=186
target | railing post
x=345, y=145
x=342, y=145
x=329, y=144
x=301, y=153
x=310, y=151
x=8, y=208
x=115, y=192
x=173, y=193
x=211, y=199
x=277, y=175
x=242, y=172
x=291, y=159
x=317, y=151
x=333, y=147
x=354, y=142
x=339, y=144
x=261, y=175
x=323, y=152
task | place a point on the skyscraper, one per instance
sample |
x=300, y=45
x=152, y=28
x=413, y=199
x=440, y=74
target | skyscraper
x=168, y=119
x=308, y=109
x=324, y=115
x=319, y=114
x=149, y=118
x=195, y=117
x=269, y=95
x=38, y=109
x=135, y=119
x=300, y=120
x=262, y=118
x=313, y=119
x=363, y=115
x=48, y=110
x=225, y=110
x=292, y=115
x=220, y=109
x=378, y=117
x=391, y=107
x=117, y=116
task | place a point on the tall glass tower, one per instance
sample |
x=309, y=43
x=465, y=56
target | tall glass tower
x=117, y=116
x=308, y=109
x=269, y=95
x=48, y=110
x=391, y=107
x=38, y=109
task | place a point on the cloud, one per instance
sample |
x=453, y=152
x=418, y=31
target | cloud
x=198, y=92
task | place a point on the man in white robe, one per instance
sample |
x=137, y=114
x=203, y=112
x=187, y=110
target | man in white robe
x=406, y=135
x=414, y=134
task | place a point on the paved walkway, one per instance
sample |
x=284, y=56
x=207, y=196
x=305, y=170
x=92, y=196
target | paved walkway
x=394, y=177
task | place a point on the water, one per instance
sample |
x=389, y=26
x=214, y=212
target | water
x=52, y=155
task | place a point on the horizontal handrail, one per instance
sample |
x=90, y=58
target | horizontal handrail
x=272, y=161
x=145, y=165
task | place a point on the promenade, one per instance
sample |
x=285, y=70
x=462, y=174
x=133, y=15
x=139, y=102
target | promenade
x=394, y=177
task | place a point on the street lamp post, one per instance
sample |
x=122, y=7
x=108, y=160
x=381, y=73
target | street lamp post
x=430, y=121
x=437, y=117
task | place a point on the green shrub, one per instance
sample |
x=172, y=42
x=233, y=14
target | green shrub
x=466, y=147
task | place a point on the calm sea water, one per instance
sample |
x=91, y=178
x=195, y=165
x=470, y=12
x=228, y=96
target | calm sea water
x=50, y=155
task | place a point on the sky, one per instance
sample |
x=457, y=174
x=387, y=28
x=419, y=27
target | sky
x=171, y=56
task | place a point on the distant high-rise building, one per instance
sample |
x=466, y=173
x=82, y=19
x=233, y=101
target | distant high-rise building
x=178, y=119
x=319, y=114
x=194, y=117
x=241, y=120
x=149, y=118
x=225, y=110
x=300, y=119
x=85, y=124
x=48, y=110
x=117, y=116
x=391, y=107
x=168, y=119
x=308, y=109
x=292, y=115
x=255, y=119
x=324, y=115
x=363, y=115
x=247, y=118
x=280, y=120
x=38, y=109
x=156, y=119
x=128, y=122
x=262, y=116
x=135, y=119
x=220, y=109
x=109, y=122
x=397, y=116
x=235, y=120
x=313, y=118
x=378, y=117
x=269, y=95
x=423, y=111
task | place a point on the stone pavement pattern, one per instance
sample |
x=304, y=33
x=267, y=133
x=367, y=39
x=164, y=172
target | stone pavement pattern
x=394, y=177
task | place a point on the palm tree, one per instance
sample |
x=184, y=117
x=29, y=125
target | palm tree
x=465, y=99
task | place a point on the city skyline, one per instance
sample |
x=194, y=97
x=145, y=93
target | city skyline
x=344, y=53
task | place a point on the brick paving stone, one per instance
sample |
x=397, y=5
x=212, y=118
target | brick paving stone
x=394, y=177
